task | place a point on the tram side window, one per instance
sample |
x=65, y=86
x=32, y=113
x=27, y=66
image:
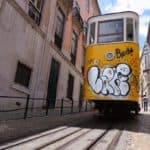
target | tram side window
x=92, y=33
x=129, y=30
x=110, y=31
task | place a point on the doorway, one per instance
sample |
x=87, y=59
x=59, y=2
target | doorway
x=52, y=84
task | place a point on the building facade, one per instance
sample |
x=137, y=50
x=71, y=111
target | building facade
x=145, y=68
x=42, y=46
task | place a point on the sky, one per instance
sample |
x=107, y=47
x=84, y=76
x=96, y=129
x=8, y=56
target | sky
x=142, y=7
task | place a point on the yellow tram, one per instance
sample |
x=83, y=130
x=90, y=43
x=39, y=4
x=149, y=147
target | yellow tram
x=112, y=65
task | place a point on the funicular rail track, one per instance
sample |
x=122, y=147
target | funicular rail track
x=70, y=138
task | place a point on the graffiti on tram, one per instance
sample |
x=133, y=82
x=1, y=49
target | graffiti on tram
x=110, y=80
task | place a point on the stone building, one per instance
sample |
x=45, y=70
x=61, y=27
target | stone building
x=145, y=68
x=42, y=46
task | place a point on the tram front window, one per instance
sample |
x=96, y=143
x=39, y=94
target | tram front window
x=110, y=31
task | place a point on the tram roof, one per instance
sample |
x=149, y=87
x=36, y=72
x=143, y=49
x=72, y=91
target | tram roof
x=116, y=14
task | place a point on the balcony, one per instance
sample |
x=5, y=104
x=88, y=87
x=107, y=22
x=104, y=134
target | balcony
x=67, y=4
x=77, y=19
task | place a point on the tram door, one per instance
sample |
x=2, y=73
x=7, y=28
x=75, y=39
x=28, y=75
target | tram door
x=52, y=84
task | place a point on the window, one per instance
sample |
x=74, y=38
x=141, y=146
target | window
x=74, y=48
x=129, y=30
x=146, y=61
x=81, y=92
x=81, y=95
x=53, y=83
x=70, y=86
x=88, y=5
x=110, y=31
x=85, y=27
x=92, y=33
x=77, y=6
x=23, y=74
x=59, y=28
x=136, y=31
x=35, y=9
x=83, y=59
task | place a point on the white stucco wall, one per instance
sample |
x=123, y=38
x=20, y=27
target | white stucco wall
x=19, y=41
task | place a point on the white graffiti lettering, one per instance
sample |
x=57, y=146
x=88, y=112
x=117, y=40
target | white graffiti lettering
x=110, y=80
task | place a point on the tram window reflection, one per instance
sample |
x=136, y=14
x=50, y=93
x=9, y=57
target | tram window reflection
x=110, y=31
x=129, y=29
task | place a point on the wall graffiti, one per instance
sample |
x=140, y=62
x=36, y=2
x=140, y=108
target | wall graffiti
x=110, y=80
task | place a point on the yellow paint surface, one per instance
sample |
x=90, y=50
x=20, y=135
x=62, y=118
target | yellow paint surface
x=123, y=53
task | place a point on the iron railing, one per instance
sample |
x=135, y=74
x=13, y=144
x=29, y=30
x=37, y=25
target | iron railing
x=12, y=107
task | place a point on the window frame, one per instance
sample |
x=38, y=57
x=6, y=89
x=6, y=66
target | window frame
x=136, y=28
x=35, y=3
x=127, y=29
x=59, y=30
x=88, y=5
x=34, y=12
x=110, y=34
x=74, y=45
x=146, y=61
x=90, y=33
x=77, y=6
x=21, y=77
x=70, y=86
x=83, y=60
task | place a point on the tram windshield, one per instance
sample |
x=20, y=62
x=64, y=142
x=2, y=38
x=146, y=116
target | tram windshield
x=122, y=28
x=110, y=31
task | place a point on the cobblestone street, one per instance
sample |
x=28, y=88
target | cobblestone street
x=75, y=75
x=27, y=127
x=136, y=134
x=139, y=136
